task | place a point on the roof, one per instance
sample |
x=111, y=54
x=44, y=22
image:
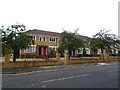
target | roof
x=55, y=34
x=84, y=37
x=42, y=32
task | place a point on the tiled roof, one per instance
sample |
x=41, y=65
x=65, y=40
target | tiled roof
x=84, y=37
x=55, y=34
x=42, y=32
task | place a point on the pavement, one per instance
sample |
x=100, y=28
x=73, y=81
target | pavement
x=43, y=68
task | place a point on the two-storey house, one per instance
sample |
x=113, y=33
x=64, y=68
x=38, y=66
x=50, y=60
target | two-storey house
x=46, y=40
x=43, y=41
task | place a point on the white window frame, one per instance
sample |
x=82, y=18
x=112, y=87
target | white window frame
x=116, y=51
x=87, y=50
x=53, y=47
x=81, y=51
x=42, y=38
x=33, y=37
x=104, y=51
x=98, y=51
x=113, y=52
x=30, y=49
x=52, y=38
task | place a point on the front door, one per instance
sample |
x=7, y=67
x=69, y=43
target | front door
x=40, y=50
x=95, y=52
x=73, y=52
x=44, y=51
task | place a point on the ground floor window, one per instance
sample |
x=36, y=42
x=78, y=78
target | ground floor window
x=99, y=51
x=87, y=50
x=31, y=49
x=53, y=47
x=80, y=50
x=72, y=52
x=116, y=51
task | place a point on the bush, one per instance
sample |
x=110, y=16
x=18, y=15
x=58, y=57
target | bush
x=36, y=56
x=119, y=52
x=89, y=55
x=52, y=53
x=80, y=55
x=61, y=54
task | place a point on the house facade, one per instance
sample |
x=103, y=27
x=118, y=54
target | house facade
x=46, y=40
x=43, y=41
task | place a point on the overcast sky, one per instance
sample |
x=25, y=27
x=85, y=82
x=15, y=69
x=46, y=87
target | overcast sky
x=90, y=16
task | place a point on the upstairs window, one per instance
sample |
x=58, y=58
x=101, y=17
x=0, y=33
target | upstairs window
x=42, y=38
x=34, y=38
x=52, y=39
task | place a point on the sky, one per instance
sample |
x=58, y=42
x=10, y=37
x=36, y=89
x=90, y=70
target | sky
x=90, y=16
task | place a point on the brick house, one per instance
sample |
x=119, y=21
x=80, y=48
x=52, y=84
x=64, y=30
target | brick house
x=46, y=40
x=43, y=41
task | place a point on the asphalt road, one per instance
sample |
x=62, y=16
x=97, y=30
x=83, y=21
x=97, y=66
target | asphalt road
x=103, y=75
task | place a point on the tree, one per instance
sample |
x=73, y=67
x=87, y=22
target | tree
x=52, y=53
x=14, y=39
x=104, y=40
x=69, y=41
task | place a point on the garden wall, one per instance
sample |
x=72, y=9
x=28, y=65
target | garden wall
x=22, y=64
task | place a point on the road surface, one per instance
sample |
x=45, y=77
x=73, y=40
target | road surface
x=103, y=75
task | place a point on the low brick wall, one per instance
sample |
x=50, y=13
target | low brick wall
x=21, y=64
x=90, y=60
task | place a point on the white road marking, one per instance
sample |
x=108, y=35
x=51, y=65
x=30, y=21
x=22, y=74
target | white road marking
x=103, y=64
x=65, y=78
x=98, y=65
x=43, y=86
x=85, y=75
x=32, y=84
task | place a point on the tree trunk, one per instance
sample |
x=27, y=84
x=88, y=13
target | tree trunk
x=69, y=54
x=102, y=54
x=14, y=56
x=84, y=52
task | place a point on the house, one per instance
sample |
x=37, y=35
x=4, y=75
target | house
x=43, y=41
x=46, y=40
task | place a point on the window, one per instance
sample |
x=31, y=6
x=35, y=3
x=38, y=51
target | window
x=104, y=51
x=53, y=47
x=113, y=51
x=116, y=51
x=52, y=39
x=34, y=38
x=30, y=49
x=42, y=38
x=80, y=50
x=99, y=51
x=87, y=50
